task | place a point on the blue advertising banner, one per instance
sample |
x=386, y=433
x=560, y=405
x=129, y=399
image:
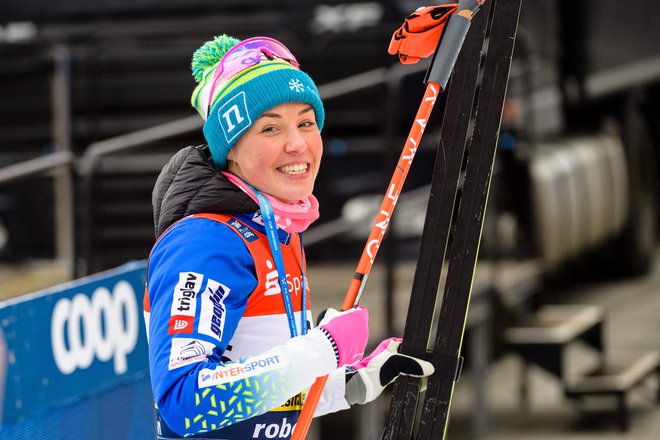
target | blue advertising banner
x=73, y=341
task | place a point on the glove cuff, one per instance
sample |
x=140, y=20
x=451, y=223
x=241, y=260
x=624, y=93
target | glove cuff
x=332, y=342
x=361, y=389
x=356, y=391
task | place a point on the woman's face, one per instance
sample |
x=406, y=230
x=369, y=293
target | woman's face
x=280, y=153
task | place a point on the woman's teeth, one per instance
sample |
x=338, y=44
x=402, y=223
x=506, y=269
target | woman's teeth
x=294, y=169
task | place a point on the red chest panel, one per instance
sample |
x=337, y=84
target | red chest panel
x=266, y=299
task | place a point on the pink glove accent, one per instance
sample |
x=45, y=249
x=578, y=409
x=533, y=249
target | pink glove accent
x=378, y=350
x=349, y=331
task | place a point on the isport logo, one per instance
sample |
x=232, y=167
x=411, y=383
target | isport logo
x=232, y=372
x=103, y=326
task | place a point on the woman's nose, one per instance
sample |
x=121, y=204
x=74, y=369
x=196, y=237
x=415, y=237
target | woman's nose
x=295, y=142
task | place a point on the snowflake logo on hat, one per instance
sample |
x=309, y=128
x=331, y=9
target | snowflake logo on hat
x=296, y=85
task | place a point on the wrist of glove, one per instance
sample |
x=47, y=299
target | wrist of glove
x=347, y=331
x=380, y=369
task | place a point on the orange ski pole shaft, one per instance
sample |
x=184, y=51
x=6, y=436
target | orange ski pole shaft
x=394, y=188
x=405, y=44
x=358, y=282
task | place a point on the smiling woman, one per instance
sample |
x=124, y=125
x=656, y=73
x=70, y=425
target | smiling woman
x=281, y=153
x=232, y=350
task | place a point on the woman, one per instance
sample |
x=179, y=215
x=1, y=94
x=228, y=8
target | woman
x=232, y=350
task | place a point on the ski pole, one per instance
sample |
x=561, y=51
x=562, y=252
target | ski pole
x=421, y=30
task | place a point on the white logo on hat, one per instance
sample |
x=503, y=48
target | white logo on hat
x=234, y=117
x=237, y=115
x=296, y=85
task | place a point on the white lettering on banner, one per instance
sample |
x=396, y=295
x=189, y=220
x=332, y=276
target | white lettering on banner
x=273, y=430
x=232, y=372
x=212, y=316
x=105, y=327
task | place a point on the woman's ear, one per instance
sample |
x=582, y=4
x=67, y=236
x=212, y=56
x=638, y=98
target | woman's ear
x=231, y=164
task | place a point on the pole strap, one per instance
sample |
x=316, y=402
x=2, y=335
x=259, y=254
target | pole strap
x=420, y=32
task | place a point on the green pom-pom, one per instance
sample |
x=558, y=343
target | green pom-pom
x=210, y=53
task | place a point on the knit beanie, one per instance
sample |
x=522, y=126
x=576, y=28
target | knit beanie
x=237, y=103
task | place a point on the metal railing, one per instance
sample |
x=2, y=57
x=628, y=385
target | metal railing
x=64, y=161
x=138, y=138
x=35, y=167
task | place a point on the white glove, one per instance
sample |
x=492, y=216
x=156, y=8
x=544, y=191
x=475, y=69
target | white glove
x=372, y=374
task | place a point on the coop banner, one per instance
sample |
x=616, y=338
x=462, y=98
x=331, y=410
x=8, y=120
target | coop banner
x=72, y=341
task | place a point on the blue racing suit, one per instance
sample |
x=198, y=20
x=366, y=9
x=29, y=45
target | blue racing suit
x=222, y=360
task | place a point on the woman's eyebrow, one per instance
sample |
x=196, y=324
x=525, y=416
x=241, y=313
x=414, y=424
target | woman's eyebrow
x=305, y=110
x=277, y=115
x=270, y=115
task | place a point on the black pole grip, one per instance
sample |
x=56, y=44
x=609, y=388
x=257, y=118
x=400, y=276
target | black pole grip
x=447, y=51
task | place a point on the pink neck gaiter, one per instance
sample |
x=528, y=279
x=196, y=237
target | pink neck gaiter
x=291, y=217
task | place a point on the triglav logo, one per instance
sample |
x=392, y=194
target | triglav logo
x=104, y=326
x=184, y=302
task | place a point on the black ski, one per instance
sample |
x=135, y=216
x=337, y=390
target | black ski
x=465, y=227
x=458, y=110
